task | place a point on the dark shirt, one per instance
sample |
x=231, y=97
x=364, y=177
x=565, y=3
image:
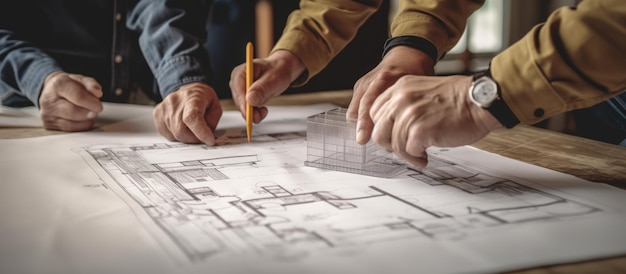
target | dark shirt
x=152, y=45
x=604, y=122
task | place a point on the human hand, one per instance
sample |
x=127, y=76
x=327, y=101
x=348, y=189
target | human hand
x=399, y=61
x=69, y=102
x=272, y=75
x=422, y=111
x=189, y=114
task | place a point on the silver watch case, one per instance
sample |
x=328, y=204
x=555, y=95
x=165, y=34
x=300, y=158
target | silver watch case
x=483, y=91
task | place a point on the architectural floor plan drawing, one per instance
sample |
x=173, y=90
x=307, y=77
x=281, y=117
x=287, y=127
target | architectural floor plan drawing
x=123, y=199
x=260, y=198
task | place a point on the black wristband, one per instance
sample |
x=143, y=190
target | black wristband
x=499, y=109
x=414, y=42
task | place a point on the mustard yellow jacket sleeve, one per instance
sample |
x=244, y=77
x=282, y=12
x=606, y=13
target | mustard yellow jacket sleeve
x=441, y=22
x=577, y=58
x=320, y=29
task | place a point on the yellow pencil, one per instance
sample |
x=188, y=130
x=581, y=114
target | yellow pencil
x=249, y=80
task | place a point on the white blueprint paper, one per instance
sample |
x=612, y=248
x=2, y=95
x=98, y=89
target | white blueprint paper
x=125, y=200
x=29, y=116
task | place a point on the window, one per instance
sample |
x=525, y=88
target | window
x=484, y=36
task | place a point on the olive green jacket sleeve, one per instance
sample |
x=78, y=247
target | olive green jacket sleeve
x=441, y=22
x=320, y=29
x=576, y=59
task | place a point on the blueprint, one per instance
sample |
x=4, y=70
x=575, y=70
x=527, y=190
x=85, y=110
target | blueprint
x=261, y=199
x=241, y=207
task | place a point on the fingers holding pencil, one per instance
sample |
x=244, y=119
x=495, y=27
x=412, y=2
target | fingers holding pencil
x=272, y=75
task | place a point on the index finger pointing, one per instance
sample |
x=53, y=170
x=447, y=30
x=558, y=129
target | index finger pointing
x=193, y=117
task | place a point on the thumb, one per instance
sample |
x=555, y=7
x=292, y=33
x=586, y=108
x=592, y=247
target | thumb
x=264, y=89
x=89, y=83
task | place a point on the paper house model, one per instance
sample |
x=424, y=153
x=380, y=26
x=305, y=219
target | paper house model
x=331, y=144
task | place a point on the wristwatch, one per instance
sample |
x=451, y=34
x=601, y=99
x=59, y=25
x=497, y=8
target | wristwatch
x=485, y=93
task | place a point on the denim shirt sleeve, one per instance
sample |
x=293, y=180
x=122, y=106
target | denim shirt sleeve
x=171, y=36
x=23, y=68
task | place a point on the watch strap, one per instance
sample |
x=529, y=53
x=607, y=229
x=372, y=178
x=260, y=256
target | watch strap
x=499, y=109
x=415, y=42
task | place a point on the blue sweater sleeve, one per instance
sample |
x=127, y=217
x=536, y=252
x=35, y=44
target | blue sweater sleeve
x=23, y=68
x=171, y=37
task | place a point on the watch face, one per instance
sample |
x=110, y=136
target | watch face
x=484, y=92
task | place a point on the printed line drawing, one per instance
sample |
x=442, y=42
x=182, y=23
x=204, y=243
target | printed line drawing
x=264, y=200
